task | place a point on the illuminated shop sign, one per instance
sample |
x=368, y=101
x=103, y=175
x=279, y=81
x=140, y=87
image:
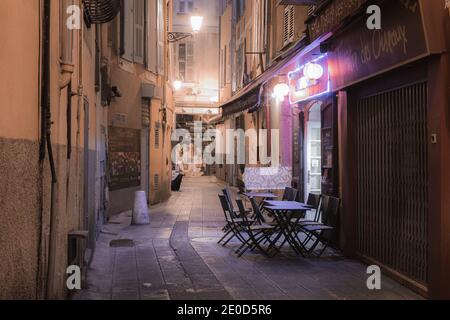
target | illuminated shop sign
x=310, y=80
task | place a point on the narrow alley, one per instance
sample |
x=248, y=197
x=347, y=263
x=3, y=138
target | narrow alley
x=160, y=263
x=224, y=150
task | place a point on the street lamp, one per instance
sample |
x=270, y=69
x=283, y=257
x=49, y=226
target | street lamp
x=177, y=85
x=196, y=23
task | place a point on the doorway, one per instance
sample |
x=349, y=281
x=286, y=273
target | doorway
x=313, y=155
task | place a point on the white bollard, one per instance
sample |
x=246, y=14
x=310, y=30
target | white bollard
x=140, y=209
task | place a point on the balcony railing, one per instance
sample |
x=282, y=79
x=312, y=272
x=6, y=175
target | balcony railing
x=100, y=11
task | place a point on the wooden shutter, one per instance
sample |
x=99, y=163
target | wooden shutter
x=161, y=35
x=152, y=38
x=157, y=134
x=182, y=61
x=288, y=24
x=190, y=62
x=139, y=25
x=127, y=29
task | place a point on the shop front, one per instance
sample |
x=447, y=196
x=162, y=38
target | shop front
x=391, y=89
x=314, y=122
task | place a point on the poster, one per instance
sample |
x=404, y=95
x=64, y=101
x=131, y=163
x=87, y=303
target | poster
x=124, y=158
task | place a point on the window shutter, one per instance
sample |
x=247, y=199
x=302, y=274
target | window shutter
x=152, y=39
x=182, y=62
x=161, y=35
x=157, y=134
x=288, y=25
x=190, y=62
x=128, y=26
x=139, y=24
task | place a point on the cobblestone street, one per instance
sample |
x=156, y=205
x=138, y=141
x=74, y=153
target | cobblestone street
x=177, y=257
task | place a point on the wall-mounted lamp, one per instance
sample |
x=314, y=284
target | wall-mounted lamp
x=177, y=85
x=280, y=91
x=196, y=23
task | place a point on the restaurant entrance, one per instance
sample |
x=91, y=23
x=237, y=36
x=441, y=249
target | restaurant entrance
x=313, y=154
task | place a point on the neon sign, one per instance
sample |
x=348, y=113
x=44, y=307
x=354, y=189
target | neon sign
x=310, y=80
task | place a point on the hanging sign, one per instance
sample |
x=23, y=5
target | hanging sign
x=310, y=80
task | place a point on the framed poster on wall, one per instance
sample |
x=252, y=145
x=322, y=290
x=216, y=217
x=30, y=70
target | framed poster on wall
x=124, y=158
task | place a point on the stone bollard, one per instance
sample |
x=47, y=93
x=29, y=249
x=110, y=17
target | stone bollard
x=140, y=209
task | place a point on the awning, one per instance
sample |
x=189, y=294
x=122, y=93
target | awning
x=248, y=97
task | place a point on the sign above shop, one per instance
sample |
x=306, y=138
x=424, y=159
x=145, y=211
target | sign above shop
x=360, y=53
x=310, y=80
x=331, y=16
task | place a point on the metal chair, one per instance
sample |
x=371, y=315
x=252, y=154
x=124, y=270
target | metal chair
x=256, y=233
x=287, y=193
x=229, y=198
x=329, y=212
x=318, y=203
x=233, y=225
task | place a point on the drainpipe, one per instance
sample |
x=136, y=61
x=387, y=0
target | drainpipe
x=65, y=81
x=47, y=141
x=79, y=108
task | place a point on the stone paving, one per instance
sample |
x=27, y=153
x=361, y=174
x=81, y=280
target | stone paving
x=177, y=257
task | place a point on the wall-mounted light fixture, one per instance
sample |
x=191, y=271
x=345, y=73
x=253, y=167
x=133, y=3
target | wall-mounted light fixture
x=196, y=23
x=177, y=85
x=280, y=91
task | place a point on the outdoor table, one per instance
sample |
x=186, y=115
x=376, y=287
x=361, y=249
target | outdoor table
x=283, y=214
x=288, y=203
x=263, y=195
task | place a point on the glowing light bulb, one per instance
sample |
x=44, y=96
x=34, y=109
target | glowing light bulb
x=280, y=91
x=313, y=71
x=177, y=85
x=196, y=22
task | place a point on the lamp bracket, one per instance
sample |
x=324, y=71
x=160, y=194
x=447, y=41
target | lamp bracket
x=177, y=36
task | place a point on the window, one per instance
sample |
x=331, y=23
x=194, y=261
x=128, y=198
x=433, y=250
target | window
x=186, y=61
x=240, y=9
x=161, y=36
x=228, y=65
x=288, y=25
x=139, y=24
x=223, y=67
x=185, y=6
x=182, y=61
x=133, y=19
x=240, y=66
